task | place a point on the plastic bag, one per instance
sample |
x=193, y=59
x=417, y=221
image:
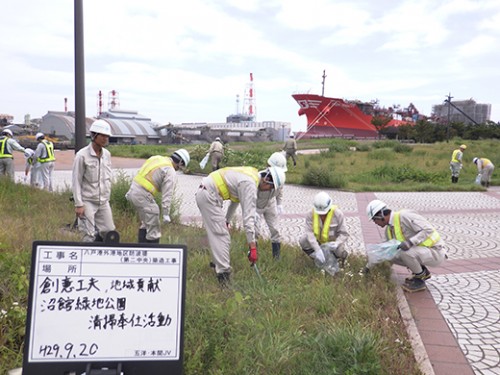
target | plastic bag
x=331, y=265
x=478, y=179
x=378, y=253
x=204, y=161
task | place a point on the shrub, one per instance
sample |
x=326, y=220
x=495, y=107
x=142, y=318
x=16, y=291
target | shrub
x=402, y=148
x=317, y=176
x=381, y=154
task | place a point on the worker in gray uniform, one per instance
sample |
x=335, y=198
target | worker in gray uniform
x=156, y=176
x=92, y=175
x=7, y=145
x=44, y=160
x=216, y=152
x=420, y=244
x=269, y=207
x=238, y=184
x=325, y=230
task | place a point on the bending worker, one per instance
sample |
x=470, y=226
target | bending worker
x=44, y=161
x=238, y=184
x=485, y=168
x=324, y=228
x=290, y=148
x=92, y=176
x=29, y=167
x=456, y=163
x=157, y=175
x=7, y=145
x=216, y=152
x=421, y=245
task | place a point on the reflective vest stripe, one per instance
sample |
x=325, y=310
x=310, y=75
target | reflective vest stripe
x=218, y=177
x=428, y=242
x=49, y=146
x=324, y=235
x=3, y=148
x=145, y=175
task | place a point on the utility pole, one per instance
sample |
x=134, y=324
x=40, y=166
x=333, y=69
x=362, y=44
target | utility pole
x=80, y=128
x=323, y=84
x=448, y=100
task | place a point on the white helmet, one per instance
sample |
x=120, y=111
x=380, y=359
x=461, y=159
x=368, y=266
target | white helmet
x=217, y=139
x=374, y=207
x=322, y=203
x=278, y=176
x=28, y=152
x=475, y=160
x=100, y=127
x=7, y=132
x=277, y=159
x=39, y=135
x=183, y=155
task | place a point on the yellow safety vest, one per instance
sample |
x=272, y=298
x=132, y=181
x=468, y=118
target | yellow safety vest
x=454, y=156
x=3, y=148
x=218, y=177
x=428, y=242
x=49, y=146
x=324, y=235
x=485, y=162
x=145, y=175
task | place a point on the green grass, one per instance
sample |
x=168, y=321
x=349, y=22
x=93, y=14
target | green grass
x=295, y=321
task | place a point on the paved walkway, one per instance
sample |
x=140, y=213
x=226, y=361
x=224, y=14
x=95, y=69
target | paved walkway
x=455, y=324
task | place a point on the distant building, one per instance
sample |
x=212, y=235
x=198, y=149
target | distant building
x=466, y=111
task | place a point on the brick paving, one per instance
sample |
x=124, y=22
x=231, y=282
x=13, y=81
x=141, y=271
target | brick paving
x=458, y=316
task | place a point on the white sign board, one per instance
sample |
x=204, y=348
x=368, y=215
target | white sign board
x=106, y=303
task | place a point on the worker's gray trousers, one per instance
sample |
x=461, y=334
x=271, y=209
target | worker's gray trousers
x=486, y=174
x=98, y=220
x=455, y=168
x=417, y=256
x=147, y=209
x=7, y=167
x=216, y=158
x=210, y=204
x=44, y=173
x=270, y=214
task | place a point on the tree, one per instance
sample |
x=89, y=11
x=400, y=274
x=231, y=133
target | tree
x=380, y=122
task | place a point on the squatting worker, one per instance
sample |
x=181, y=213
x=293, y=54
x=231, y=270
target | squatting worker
x=238, y=184
x=485, y=168
x=325, y=226
x=7, y=145
x=92, y=176
x=456, y=163
x=156, y=176
x=216, y=152
x=421, y=245
x=44, y=160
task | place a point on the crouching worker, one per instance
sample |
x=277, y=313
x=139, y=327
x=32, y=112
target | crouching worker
x=421, y=245
x=325, y=234
x=157, y=175
x=240, y=185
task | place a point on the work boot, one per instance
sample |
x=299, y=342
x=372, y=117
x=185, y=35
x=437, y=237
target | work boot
x=424, y=275
x=141, y=235
x=276, y=250
x=342, y=258
x=223, y=278
x=452, y=179
x=415, y=285
x=156, y=240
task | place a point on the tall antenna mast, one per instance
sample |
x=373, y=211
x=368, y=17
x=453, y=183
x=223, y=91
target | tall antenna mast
x=323, y=84
x=249, y=100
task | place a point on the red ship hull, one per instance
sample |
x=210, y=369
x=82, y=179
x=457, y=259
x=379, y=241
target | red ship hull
x=333, y=117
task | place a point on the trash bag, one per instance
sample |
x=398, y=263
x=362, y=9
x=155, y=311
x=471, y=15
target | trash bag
x=331, y=265
x=204, y=161
x=378, y=253
x=478, y=179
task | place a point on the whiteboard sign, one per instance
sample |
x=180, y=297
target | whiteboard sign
x=97, y=303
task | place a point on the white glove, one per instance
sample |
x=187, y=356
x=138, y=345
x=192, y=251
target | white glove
x=25, y=179
x=279, y=208
x=166, y=219
x=318, y=256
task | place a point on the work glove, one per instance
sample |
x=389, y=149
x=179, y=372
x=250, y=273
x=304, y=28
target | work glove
x=166, y=219
x=319, y=256
x=252, y=254
x=279, y=208
x=25, y=179
x=405, y=246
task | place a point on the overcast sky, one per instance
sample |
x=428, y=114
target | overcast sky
x=187, y=60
